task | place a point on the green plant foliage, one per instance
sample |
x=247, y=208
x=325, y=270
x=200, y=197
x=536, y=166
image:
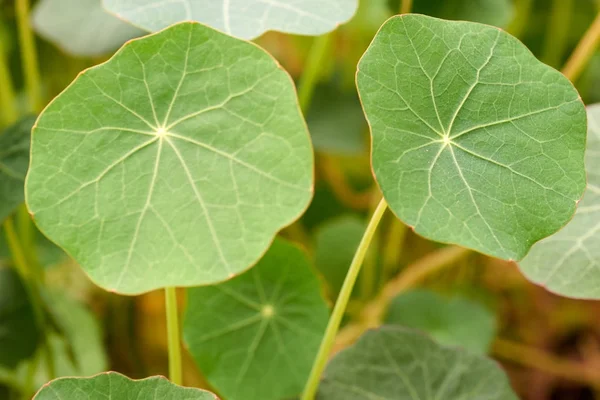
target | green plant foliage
x=475, y=142
x=19, y=334
x=492, y=12
x=81, y=27
x=172, y=164
x=14, y=160
x=454, y=321
x=255, y=337
x=567, y=263
x=335, y=243
x=246, y=19
x=112, y=385
x=401, y=364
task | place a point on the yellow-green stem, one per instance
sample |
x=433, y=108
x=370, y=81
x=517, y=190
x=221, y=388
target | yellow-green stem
x=310, y=75
x=341, y=303
x=405, y=6
x=29, y=57
x=557, y=32
x=175, y=372
x=8, y=110
x=33, y=291
x=583, y=52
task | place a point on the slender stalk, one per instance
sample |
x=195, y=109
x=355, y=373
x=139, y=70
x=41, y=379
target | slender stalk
x=557, y=32
x=341, y=303
x=8, y=111
x=522, y=13
x=33, y=290
x=310, y=75
x=29, y=56
x=583, y=52
x=175, y=372
x=405, y=6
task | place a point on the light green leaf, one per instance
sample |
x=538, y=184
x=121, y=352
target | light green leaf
x=19, y=334
x=394, y=363
x=255, y=337
x=172, y=164
x=246, y=19
x=454, y=321
x=335, y=244
x=14, y=160
x=112, y=385
x=81, y=27
x=568, y=262
x=475, y=142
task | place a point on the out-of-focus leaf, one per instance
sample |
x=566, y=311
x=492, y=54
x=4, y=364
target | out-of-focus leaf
x=255, y=337
x=112, y=385
x=19, y=334
x=81, y=27
x=451, y=321
x=14, y=161
x=394, y=363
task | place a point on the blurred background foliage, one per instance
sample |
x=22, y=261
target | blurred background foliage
x=549, y=345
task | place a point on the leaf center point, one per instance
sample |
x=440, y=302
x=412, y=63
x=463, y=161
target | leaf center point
x=446, y=140
x=161, y=132
x=267, y=311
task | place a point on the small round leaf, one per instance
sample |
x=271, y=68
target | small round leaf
x=255, y=337
x=173, y=164
x=475, y=142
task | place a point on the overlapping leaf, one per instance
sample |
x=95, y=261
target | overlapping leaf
x=174, y=163
x=246, y=19
x=116, y=386
x=255, y=337
x=475, y=142
x=395, y=363
x=81, y=27
x=14, y=160
x=452, y=321
x=568, y=263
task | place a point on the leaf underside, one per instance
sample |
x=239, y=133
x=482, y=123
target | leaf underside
x=246, y=19
x=394, y=363
x=255, y=337
x=172, y=164
x=475, y=142
x=568, y=263
x=111, y=385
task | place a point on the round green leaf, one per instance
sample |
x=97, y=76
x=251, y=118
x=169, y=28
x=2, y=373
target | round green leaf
x=112, y=385
x=19, y=334
x=81, y=27
x=454, y=321
x=246, y=19
x=14, y=160
x=567, y=263
x=255, y=337
x=172, y=164
x=394, y=363
x=475, y=142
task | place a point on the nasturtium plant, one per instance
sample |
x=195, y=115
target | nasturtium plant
x=401, y=364
x=475, y=142
x=255, y=337
x=81, y=27
x=246, y=19
x=173, y=164
x=567, y=263
x=19, y=333
x=14, y=160
x=112, y=385
x=453, y=321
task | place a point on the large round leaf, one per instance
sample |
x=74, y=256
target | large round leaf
x=81, y=27
x=255, y=337
x=246, y=19
x=568, y=263
x=14, y=160
x=172, y=164
x=475, y=142
x=394, y=363
x=19, y=334
x=112, y=385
